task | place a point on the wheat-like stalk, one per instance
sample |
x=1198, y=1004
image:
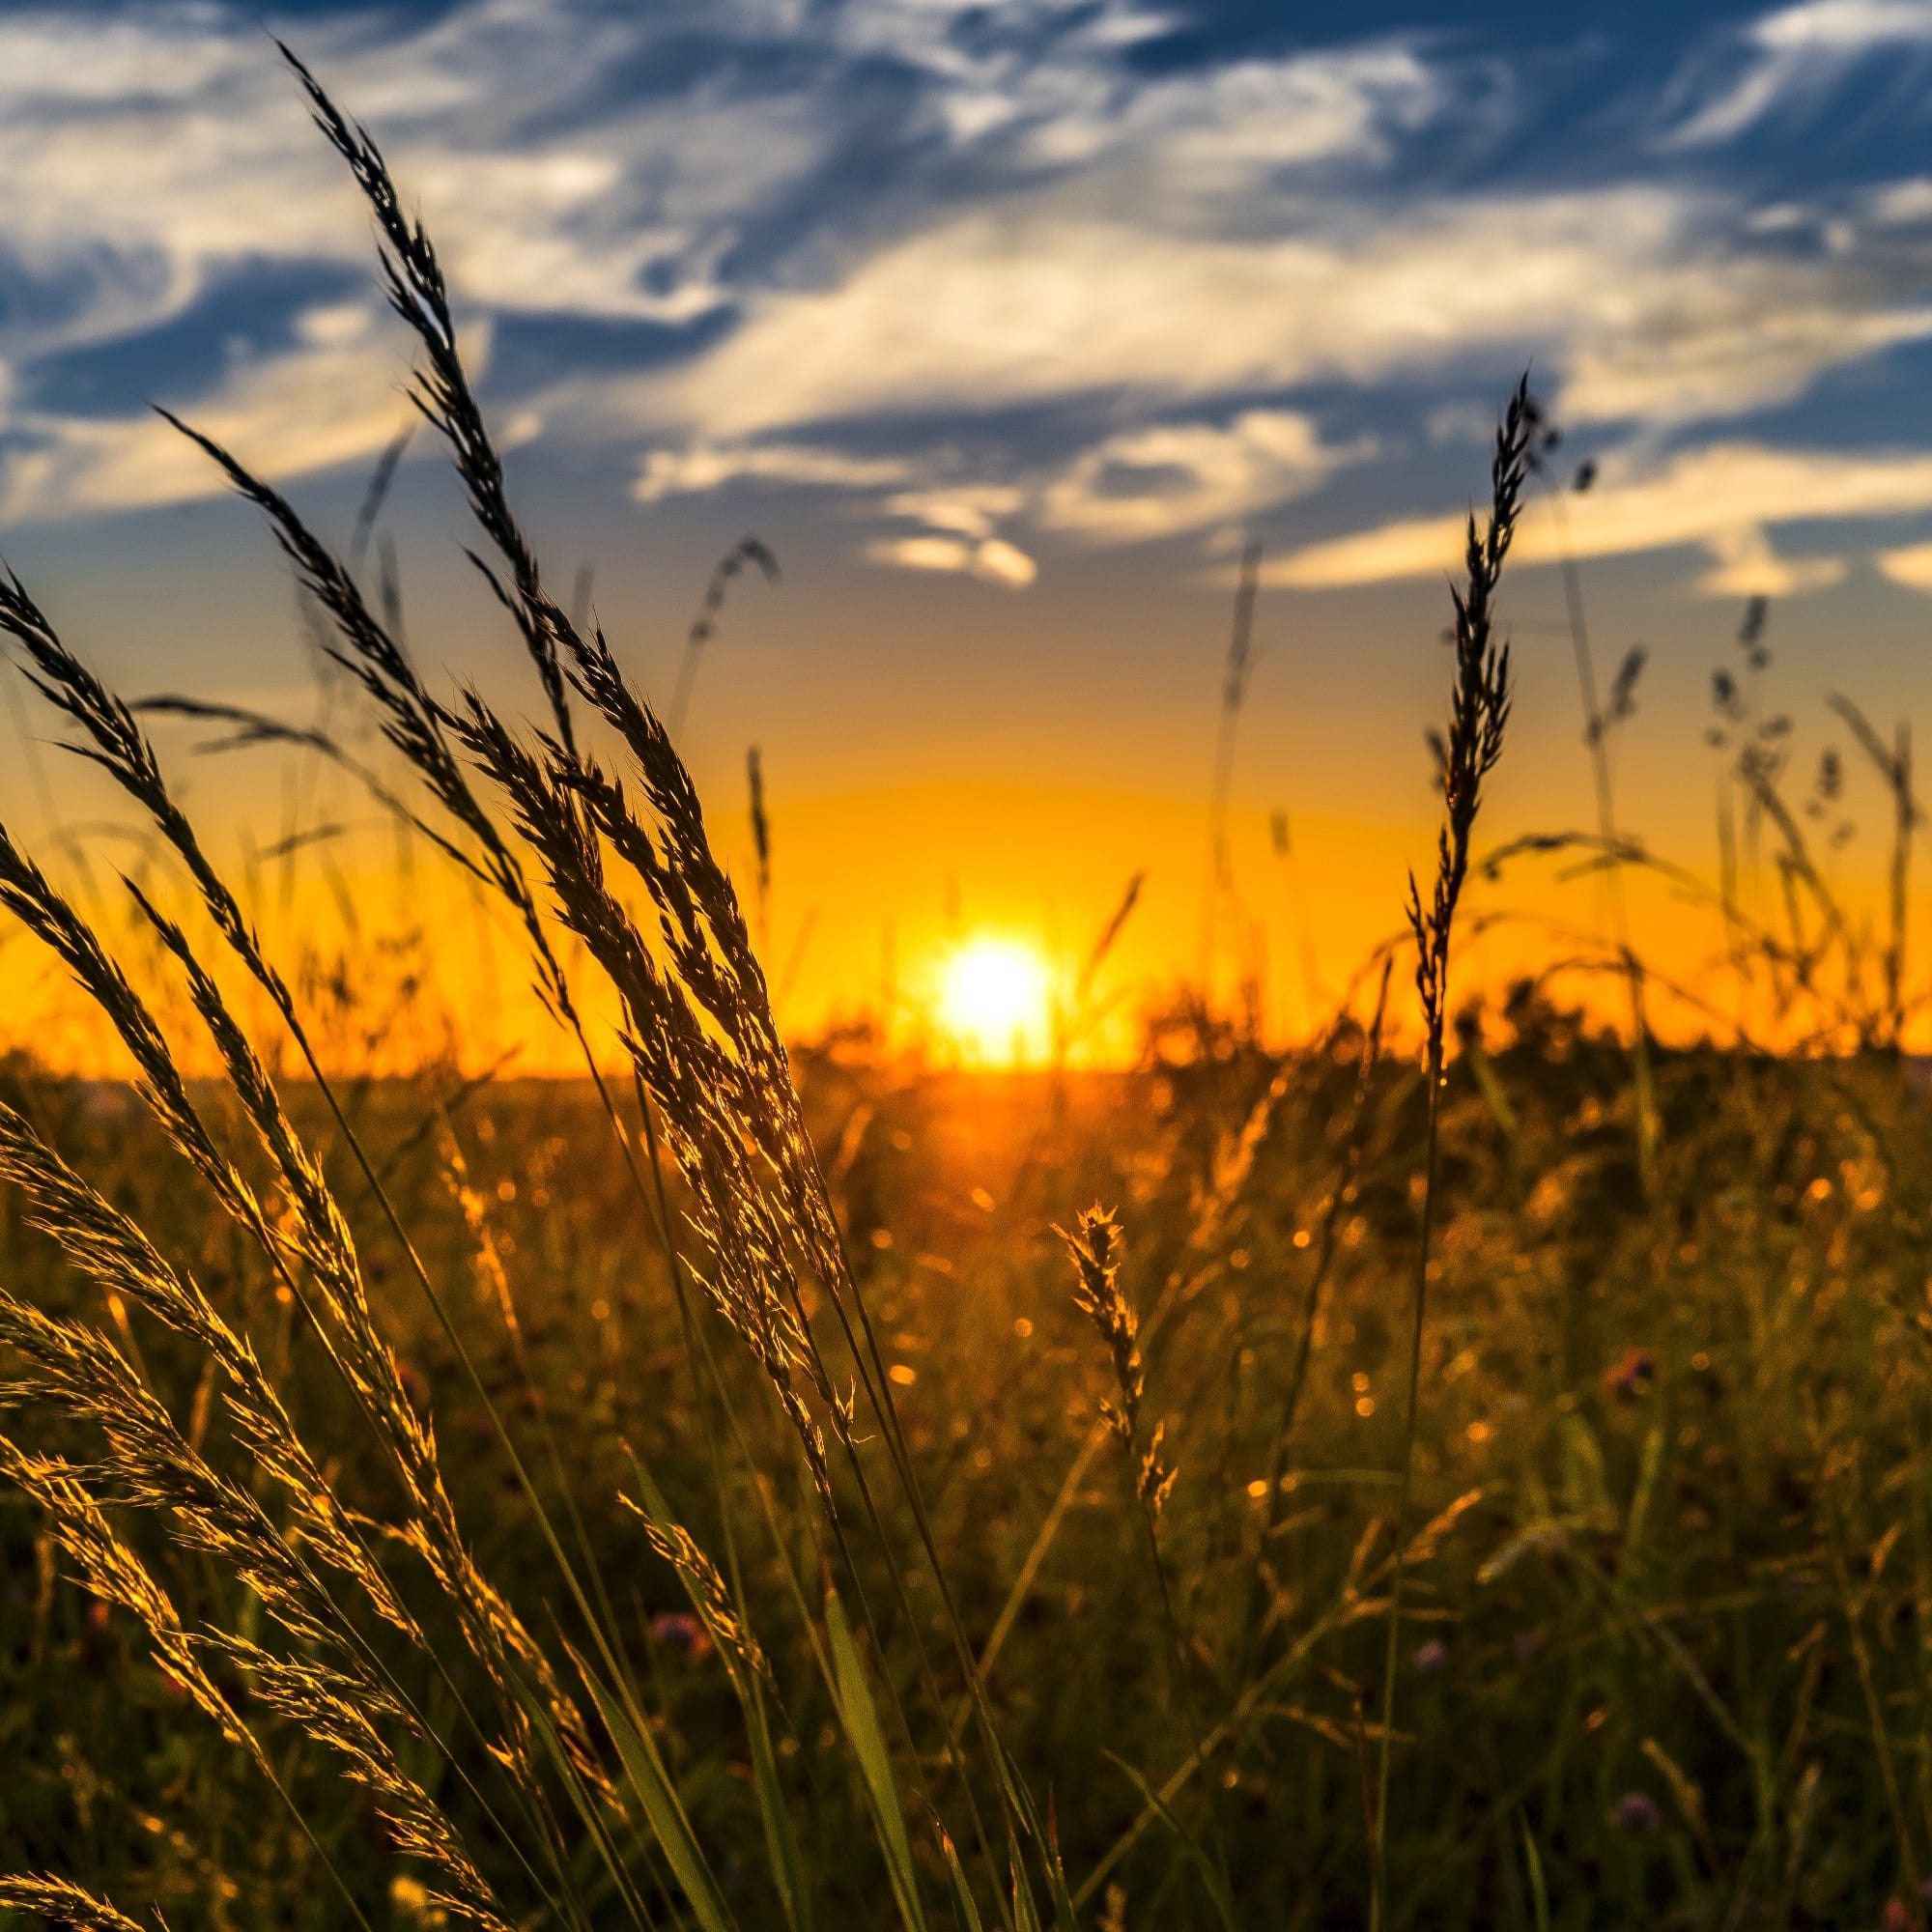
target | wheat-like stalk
x=412, y=721
x=107, y=1247
x=63, y=1903
x=1094, y=1247
x=112, y=1571
x=709, y=1594
x=1479, y=705
x=319, y=1231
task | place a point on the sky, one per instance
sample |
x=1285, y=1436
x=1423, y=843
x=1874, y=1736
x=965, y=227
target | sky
x=1005, y=327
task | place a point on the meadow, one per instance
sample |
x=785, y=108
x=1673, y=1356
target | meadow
x=1466, y=1470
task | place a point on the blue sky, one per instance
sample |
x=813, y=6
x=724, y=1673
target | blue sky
x=1012, y=281
x=1007, y=324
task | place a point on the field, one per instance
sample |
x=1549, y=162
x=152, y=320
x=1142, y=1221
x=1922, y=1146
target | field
x=1464, y=1471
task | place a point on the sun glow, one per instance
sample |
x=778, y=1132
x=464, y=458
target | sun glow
x=995, y=1002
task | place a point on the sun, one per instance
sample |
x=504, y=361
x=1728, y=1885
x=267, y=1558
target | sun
x=995, y=1002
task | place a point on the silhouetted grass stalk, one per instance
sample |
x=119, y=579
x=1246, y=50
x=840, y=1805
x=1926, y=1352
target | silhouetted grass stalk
x=1478, y=711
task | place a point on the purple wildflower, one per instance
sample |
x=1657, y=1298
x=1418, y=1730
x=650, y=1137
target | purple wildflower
x=681, y=1632
x=1637, y=1813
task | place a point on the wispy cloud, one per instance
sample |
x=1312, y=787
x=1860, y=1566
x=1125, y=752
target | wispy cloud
x=332, y=397
x=704, y=466
x=1794, y=58
x=992, y=559
x=1008, y=277
x=1724, y=498
x=1656, y=307
x=1136, y=486
x=1910, y=565
x=1155, y=482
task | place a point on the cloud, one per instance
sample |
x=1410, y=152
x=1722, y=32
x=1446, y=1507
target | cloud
x=1136, y=486
x=968, y=510
x=895, y=217
x=1150, y=483
x=333, y=397
x=960, y=517
x=1652, y=303
x=1746, y=566
x=150, y=158
x=1911, y=566
x=1041, y=86
x=992, y=559
x=1723, y=499
x=1795, y=57
x=159, y=158
x=705, y=467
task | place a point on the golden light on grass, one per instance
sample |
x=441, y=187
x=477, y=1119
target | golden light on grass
x=995, y=1002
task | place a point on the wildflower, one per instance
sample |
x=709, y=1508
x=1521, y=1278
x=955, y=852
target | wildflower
x=1637, y=1813
x=683, y=1632
x=1630, y=1378
x=1429, y=1656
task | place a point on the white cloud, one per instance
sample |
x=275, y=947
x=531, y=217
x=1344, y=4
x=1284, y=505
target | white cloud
x=1900, y=204
x=1040, y=85
x=967, y=509
x=1223, y=130
x=1911, y=566
x=1056, y=222
x=1151, y=483
x=1133, y=486
x=1796, y=56
x=146, y=158
x=705, y=467
x=1845, y=26
x=992, y=559
x=1722, y=498
x=333, y=398
x=1746, y=566
x=1648, y=301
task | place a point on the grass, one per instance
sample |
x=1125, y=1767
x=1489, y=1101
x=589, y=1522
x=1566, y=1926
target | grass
x=692, y=1494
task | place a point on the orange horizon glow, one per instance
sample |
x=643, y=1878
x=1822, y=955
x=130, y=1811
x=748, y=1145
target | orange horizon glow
x=955, y=950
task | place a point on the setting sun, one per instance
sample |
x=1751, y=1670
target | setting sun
x=994, y=1002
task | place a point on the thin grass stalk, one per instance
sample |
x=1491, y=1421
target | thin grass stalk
x=1234, y=694
x=1893, y=765
x=82, y=1374
x=61, y=1902
x=420, y=294
x=117, y=1575
x=1094, y=1249
x=1596, y=736
x=1479, y=711
x=416, y=726
x=1327, y=1242
x=389, y=676
x=704, y=626
x=689, y=1071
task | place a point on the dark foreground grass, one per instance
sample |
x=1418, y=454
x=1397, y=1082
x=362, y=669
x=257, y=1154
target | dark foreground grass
x=1663, y=1645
